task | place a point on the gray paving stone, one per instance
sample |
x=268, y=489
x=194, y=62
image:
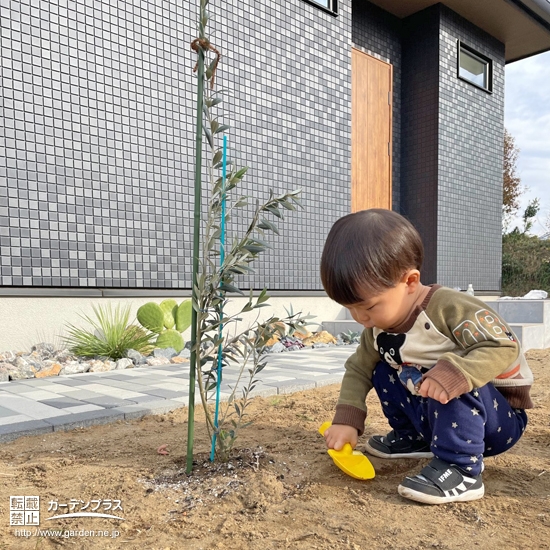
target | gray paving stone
x=328, y=380
x=78, y=380
x=35, y=382
x=61, y=402
x=81, y=420
x=107, y=401
x=32, y=409
x=150, y=390
x=83, y=394
x=291, y=386
x=160, y=407
x=9, y=432
x=144, y=399
x=6, y=412
x=14, y=387
x=160, y=392
x=132, y=412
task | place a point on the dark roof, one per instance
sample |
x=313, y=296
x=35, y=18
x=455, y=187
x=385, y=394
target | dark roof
x=523, y=26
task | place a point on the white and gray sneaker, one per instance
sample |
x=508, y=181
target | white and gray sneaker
x=393, y=446
x=440, y=482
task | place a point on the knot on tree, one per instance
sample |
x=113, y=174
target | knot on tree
x=205, y=46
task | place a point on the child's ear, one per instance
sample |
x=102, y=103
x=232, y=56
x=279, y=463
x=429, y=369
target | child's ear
x=412, y=280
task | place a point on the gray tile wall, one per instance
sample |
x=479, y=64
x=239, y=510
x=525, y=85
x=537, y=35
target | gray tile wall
x=97, y=135
x=452, y=148
x=471, y=123
x=378, y=33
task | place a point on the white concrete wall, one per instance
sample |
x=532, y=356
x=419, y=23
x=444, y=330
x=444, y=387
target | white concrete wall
x=25, y=321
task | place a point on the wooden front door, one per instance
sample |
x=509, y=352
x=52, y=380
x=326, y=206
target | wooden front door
x=371, y=87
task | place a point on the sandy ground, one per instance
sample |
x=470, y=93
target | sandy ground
x=280, y=490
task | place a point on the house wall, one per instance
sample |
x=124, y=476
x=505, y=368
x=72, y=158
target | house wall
x=471, y=145
x=452, y=150
x=96, y=158
x=420, y=123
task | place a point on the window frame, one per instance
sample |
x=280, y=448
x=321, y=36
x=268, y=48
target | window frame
x=332, y=10
x=482, y=58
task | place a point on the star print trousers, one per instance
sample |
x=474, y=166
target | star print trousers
x=476, y=424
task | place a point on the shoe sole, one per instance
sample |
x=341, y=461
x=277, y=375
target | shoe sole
x=417, y=496
x=418, y=454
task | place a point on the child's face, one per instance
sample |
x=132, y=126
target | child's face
x=385, y=310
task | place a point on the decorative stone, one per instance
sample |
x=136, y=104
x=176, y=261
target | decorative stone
x=74, y=367
x=278, y=348
x=50, y=369
x=136, y=357
x=302, y=333
x=4, y=374
x=7, y=356
x=322, y=337
x=179, y=359
x=185, y=353
x=21, y=372
x=44, y=349
x=157, y=361
x=124, y=363
x=101, y=366
x=166, y=353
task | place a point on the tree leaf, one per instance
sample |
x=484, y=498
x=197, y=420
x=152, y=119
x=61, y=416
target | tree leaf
x=208, y=137
x=213, y=102
x=222, y=128
x=274, y=210
x=225, y=287
x=217, y=157
x=266, y=224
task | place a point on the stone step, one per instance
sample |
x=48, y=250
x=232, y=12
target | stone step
x=342, y=325
x=530, y=335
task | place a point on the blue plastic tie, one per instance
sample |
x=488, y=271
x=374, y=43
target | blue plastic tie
x=222, y=259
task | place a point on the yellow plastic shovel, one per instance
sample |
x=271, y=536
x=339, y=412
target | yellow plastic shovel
x=351, y=462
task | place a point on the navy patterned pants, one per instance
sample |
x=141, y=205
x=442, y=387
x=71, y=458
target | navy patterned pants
x=476, y=424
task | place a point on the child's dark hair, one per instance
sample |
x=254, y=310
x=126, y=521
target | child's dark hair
x=368, y=252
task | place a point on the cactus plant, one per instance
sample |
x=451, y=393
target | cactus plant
x=183, y=316
x=169, y=308
x=151, y=316
x=170, y=338
x=168, y=320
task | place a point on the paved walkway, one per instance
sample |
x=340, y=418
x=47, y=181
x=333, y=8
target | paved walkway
x=43, y=405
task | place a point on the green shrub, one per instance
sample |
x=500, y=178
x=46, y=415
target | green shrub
x=110, y=335
x=525, y=264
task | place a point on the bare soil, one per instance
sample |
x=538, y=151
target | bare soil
x=280, y=489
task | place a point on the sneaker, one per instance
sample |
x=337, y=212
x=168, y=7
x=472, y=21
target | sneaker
x=392, y=446
x=440, y=482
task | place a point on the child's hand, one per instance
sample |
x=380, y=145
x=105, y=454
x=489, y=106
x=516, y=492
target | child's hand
x=433, y=389
x=339, y=434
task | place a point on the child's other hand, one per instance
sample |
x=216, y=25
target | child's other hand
x=339, y=434
x=434, y=390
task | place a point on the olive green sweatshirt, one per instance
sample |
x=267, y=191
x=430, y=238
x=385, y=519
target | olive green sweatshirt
x=451, y=337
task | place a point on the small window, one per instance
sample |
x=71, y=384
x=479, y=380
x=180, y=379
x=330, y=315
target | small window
x=475, y=68
x=326, y=5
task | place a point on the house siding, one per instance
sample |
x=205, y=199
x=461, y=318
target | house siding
x=452, y=151
x=471, y=145
x=97, y=158
x=97, y=137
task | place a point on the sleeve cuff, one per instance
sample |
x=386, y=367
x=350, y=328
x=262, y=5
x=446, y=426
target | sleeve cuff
x=350, y=416
x=452, y=380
